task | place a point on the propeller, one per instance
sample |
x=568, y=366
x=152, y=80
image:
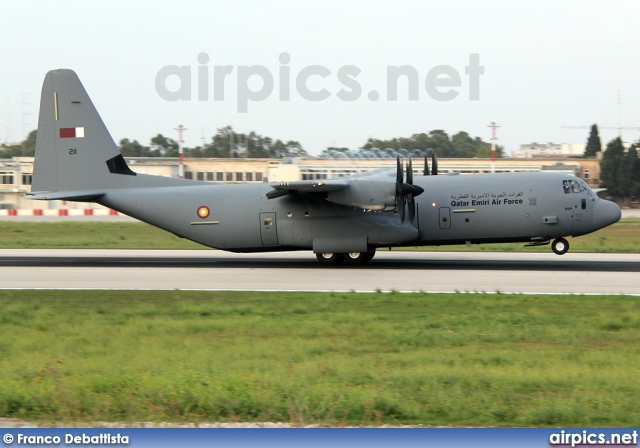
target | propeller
x=434, y=164
x=406, y=192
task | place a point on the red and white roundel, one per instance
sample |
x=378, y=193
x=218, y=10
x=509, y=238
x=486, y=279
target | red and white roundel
x=203, y=212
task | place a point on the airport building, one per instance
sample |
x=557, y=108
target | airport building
x=549, y=150
x=16, y=174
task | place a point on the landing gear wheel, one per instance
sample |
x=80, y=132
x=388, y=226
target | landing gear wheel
x=560, y=246
x=329, y=258
x=359, y=257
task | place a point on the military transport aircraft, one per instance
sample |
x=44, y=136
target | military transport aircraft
x=344, y=219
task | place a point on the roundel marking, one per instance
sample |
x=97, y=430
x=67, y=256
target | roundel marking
x=203, y=212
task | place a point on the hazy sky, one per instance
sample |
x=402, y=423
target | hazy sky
x=547, y=64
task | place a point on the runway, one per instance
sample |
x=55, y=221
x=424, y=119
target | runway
x=573, y=273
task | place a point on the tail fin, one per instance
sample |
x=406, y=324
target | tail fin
x=74, y=150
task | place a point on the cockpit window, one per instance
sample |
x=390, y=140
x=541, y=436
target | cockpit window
x=574, y=186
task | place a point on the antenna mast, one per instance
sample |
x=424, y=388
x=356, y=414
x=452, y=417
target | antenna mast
x=25, y=118
x=7, y=135
x=180, y=130
x=493, y=127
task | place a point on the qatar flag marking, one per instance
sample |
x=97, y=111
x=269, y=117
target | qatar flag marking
x=71, y=132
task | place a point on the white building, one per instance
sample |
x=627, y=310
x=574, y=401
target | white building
x=532, y=150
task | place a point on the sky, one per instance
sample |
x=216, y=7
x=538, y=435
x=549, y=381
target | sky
x=540, y=66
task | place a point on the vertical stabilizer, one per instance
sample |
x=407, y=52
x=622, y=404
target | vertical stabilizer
x=74, y=150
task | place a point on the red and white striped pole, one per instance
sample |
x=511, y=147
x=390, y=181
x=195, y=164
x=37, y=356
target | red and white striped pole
x=180, y=130
x=493, y=127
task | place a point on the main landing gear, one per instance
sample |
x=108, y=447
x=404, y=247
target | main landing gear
x=560, y=246
x=349, y=258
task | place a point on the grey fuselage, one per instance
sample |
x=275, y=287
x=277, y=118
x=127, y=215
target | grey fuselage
x=454, y=209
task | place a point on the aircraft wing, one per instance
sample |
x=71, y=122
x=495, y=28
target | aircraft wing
x=306, y=186
x=368, y=193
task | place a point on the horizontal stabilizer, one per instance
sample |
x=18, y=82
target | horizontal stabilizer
x=80, y=196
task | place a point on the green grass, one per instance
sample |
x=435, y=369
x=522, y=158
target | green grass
x=85, y=235
x=328, y=359
x=621, y=237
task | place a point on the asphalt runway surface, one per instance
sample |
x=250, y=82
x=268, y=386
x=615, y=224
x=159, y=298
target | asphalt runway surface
x=572, y=273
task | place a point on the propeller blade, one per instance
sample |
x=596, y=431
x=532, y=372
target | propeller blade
x=411, y=205
x=401, y=190
x=406, y=192
x=426, y=166
x=412, y=192
x=434, y=163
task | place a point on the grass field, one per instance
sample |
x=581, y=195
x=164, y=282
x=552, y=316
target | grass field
x=328, y=359
x=84, y=235
x=621, y=237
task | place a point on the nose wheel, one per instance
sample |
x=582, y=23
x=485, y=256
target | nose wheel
x=560, y=246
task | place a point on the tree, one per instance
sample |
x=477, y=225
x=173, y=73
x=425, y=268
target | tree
x=593, y=143
x=165, y=145
x=485, y=152
x=227, y=143
x=613, y=170
x=26, y=148
x=464, y=145
x=632, y=164
x=257, y=146
x=279, y=149
x=135, y=149
x=460, y=145
x=293, y=149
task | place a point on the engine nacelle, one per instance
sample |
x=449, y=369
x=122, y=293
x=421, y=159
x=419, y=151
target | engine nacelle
x=368, y=194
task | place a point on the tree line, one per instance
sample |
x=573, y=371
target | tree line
x=224, y=144
x=460, y=145
x=227, y=143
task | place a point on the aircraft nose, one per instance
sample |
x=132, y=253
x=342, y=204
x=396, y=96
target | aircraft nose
x=606, y=213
